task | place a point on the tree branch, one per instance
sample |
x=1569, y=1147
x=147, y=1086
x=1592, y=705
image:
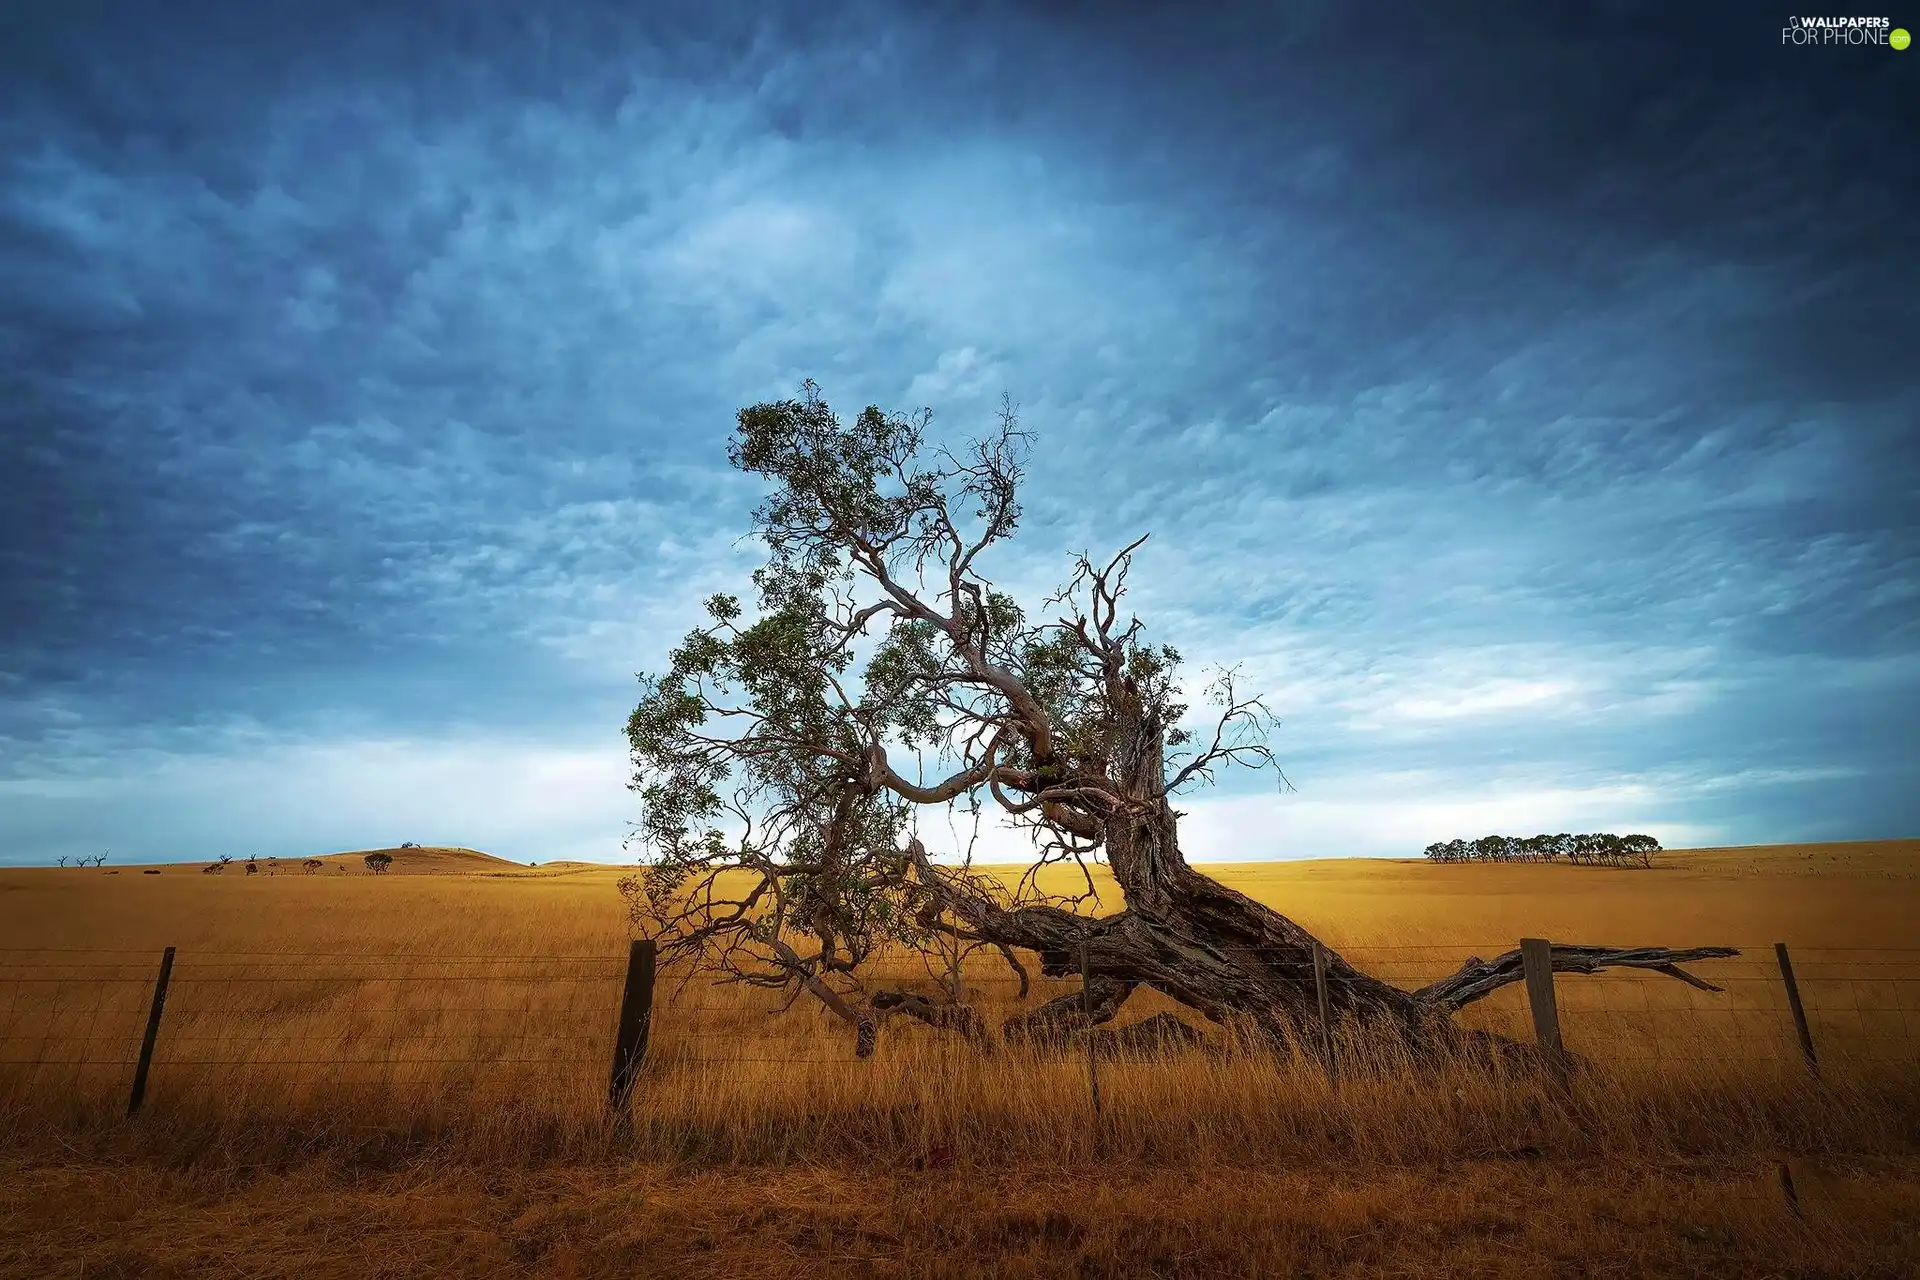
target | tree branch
x=865, y=1030
x=942, y=1016
x=1060, y=1017
x=1478, y=978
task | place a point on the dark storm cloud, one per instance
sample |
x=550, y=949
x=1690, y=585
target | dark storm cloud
x=1524, y=394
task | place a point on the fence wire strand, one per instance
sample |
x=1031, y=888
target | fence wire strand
x=322, y=1015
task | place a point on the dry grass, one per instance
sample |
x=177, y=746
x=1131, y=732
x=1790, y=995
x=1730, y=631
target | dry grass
x=759, y=1148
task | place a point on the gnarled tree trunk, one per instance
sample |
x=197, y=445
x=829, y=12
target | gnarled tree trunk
x=1212, y=948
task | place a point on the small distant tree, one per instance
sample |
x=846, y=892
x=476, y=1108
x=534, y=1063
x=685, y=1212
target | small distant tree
x=1642, y=847
x=312, y=865
x=409, y=845
x=215, y=868
x=378, y=861
x=253, y=864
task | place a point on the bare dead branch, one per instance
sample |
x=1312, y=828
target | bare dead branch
x=1479, y=978
x=1058, y=1018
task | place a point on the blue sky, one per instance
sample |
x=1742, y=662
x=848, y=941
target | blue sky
x=1526, y=402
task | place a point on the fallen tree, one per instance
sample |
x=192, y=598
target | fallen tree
x=1071, y=726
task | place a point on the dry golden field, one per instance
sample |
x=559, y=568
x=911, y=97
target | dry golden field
x=405, y=1075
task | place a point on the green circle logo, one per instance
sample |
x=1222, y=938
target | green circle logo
x=1899, y=39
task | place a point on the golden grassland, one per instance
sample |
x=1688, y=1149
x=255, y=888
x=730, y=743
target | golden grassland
x=1830, y=895
x=405, y=1074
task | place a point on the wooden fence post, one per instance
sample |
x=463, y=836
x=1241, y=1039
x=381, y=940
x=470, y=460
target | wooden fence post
x=145, y=1064
x=1799, y=1010
x=1086, y=1005
x=1326, y=1019
x=636, y=1017
x=1536, y=963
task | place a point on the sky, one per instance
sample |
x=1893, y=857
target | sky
x=1515, y=396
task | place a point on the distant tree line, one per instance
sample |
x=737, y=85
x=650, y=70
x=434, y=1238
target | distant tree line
x=1601, y=849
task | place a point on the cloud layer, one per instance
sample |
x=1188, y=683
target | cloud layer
x=1518, y=400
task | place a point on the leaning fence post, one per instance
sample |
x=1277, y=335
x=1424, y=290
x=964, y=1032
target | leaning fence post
x=1536, y=963
x=1086, y=1005
x=1326, y=1019
x=1799, y=1010
x=636, y=1016
x=145, y=1064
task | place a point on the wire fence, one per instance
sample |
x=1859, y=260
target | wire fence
x=73, y=1023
